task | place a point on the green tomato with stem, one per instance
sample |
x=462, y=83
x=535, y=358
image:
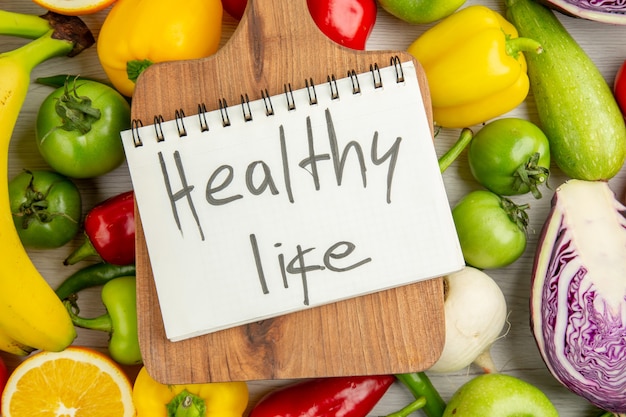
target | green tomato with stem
x=491, y=229
x=78, y=128
x=510, y=156
x=46, y=208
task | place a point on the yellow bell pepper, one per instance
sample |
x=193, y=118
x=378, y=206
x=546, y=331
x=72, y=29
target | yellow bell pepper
x=474, y=66
x=213, y=399
x=137, y=33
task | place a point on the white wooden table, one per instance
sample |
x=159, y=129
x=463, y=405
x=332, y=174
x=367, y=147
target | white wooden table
x=514, y=354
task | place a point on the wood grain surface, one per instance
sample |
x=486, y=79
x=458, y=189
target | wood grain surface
x=394, y=331
x=515, y=353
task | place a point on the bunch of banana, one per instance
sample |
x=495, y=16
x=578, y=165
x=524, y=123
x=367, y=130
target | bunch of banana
x=31, y=315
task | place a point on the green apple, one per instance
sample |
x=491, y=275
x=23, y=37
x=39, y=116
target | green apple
x=420, y=11
x=499, y=395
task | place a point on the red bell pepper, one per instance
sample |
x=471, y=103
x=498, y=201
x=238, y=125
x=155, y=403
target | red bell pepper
x=351, y=396
x=347, y=22
x=235, y=8
x=110, y=232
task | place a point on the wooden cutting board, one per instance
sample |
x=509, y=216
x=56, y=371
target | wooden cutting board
x=393, y=331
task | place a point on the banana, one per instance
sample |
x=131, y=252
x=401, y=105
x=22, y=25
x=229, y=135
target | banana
x=31, y=314
x=8, y=344
x=23, y=25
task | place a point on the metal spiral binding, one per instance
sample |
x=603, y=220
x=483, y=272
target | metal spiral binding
x=204, y=125
x=245, y=108
x=224, y=112
x=395, y=61
x=179, y=115
x=356, y=87
x=310, y=88
x=269, y=108
x=158, y=128
x=378, y=82
x=291, y=104
x=135, y=124
x=332, y=82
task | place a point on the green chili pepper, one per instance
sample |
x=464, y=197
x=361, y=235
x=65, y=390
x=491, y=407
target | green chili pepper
x=59, y=80
x=421, y=387
x=92, y=276
x=119, y=296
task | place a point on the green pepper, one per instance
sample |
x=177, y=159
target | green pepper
x=119, y=297
x=421, y=387
x=92, y=276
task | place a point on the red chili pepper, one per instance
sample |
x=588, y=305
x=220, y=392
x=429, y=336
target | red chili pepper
x=347, y=22
x=110, y=232
x=351, y=396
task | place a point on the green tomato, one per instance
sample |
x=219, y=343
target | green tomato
x=46, y=208
x=491, y=229
x=499, y=395
x=78, y=128
x=510, y=156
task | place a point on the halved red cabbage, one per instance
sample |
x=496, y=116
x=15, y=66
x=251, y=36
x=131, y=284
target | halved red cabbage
x=578, y=295
x=605, y=11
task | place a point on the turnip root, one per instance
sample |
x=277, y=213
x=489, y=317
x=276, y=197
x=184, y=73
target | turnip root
x=475, y=315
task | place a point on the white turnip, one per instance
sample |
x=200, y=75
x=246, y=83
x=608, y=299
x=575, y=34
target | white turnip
x=475, y=315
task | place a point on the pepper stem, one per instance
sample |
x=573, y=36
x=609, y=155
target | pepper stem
x=464, y=139
x=135, y=67
x=186, y=404
x=420, y=386
x=516, y=45
x=409, y=409
x=102, y=323
x=81, y=252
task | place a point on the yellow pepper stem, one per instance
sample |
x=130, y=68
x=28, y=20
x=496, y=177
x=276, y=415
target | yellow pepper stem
x=516, y=45
x=186, y=404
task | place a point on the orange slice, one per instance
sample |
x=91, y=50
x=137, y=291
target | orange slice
x=77, y=382
x=74, y=7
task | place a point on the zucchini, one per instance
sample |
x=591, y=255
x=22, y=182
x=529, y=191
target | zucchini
x=576, y=107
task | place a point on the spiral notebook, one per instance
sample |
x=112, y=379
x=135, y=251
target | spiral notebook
x=291, y=201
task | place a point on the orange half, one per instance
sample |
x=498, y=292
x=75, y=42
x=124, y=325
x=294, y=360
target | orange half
x=78, y=382
x=74, y=7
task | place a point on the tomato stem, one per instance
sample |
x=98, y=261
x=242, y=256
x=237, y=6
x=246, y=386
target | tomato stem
x=76, y=111
x=531, y=174
x=35, y=205
x=517, y=213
